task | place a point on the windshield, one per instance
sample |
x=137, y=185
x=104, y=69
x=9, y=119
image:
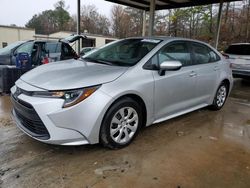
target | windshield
x=239, y=49
x=126, y=52
x=27, y=48
x=7, y=49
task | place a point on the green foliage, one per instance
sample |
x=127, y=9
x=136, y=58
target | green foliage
x=50, y=21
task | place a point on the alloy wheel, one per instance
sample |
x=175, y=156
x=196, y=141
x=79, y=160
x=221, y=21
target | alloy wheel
x=221, y=95
x=124, y=125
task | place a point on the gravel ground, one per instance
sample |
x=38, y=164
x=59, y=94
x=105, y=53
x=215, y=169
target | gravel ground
x=201, y=149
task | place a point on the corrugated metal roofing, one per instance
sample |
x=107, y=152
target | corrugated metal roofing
x=165, y=4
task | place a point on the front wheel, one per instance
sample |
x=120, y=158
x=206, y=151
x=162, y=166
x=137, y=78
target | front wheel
x=220, y=97
x=121, y=124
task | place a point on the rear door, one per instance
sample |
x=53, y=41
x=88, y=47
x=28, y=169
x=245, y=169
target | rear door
x=206, y=64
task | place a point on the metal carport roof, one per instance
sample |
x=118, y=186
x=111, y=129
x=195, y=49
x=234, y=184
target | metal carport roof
x=166, y=4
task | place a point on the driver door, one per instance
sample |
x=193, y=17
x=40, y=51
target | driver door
x=174, y=91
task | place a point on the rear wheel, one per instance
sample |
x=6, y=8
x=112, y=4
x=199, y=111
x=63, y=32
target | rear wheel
x=121, y=124
x=220, y=97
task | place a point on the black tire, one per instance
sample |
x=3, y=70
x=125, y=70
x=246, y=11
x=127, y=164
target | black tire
x=217, y=105
x=105, y=132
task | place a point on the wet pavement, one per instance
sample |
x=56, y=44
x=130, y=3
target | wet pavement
x=201, y=149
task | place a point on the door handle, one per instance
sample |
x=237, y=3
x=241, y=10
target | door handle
x=193, y=74
x=216, y=68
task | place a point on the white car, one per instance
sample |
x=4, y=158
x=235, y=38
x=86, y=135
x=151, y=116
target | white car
x=239, y=56
x=109, y=94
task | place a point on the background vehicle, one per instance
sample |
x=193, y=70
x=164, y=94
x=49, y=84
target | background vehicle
x=109, y=94
x=85, y=50
x=7, y=52
x=239, y=56
x=39, y=52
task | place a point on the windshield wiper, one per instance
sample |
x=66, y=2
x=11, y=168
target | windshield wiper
x=97, y=61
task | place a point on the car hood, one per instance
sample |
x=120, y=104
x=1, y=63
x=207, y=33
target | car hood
x=71, y=74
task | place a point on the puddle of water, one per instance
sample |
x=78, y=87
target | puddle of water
x=5, y=106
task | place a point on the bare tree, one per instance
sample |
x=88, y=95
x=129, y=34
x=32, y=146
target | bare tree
x=93, y=22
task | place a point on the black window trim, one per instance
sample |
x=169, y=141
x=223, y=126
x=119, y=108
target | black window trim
x=205, y=45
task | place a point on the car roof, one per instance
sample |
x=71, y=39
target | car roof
x=166, y=38
x=240, y=44
x=47, y=41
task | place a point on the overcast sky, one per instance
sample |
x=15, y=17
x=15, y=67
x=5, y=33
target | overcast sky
x=19, y=12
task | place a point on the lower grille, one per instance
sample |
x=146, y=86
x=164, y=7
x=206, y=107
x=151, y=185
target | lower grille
x=29, y=119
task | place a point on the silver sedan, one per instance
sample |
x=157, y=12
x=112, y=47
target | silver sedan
x=110, y=94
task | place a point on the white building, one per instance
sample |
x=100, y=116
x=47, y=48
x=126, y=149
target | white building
x=93, y=40
x=10, y=34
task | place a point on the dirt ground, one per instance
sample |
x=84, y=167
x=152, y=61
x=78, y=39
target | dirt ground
x=201, y=149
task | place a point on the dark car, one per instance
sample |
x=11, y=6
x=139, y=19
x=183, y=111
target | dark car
x=7, y=52
x=39, y=49
x=36, y=52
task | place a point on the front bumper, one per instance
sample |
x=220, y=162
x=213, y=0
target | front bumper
x=76, y=125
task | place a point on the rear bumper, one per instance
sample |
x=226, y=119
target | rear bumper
x=241, y=73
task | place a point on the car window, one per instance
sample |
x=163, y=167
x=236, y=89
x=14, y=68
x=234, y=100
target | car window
x=27, y=48
x=59, y=47
x=238, y=49
x=203, y=54
x=175, y=51
x=67, y=52
x=213, y=56
x=7, y=50
x=51, y=47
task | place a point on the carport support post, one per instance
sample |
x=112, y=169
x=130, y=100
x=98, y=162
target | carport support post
x=151, y=17
x=78, y=24
x=144, y=23
x=218, y=24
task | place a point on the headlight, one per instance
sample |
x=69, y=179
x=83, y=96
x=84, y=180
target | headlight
x=71, y=97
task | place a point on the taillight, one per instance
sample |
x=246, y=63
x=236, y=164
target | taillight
x=45, y=60
x=225, y=55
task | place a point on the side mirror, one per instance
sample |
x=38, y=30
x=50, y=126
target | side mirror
x=169, y=66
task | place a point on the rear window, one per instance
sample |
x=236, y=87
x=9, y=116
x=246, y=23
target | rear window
x=52, y=47
x=241, y=49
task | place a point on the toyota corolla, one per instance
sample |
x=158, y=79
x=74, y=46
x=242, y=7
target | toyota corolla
x=108, y=95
